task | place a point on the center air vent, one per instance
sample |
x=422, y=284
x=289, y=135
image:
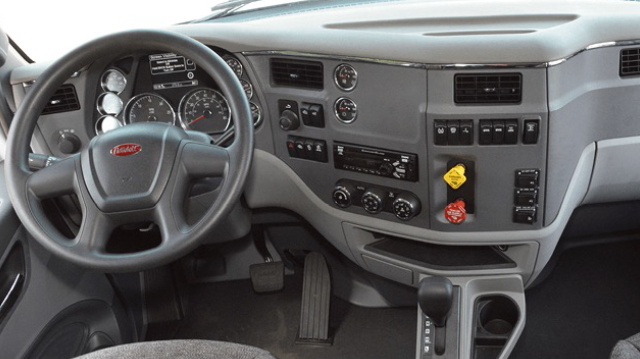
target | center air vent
x=630, y=62
x=65, y=99
x=488, y=88
x=297, y=73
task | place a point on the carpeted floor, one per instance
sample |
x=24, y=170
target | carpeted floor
x=590, y=301
x=231, y=311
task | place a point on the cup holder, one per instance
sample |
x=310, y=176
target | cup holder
x=496, y=316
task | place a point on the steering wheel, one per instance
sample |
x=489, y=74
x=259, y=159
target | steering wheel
x=135, y=174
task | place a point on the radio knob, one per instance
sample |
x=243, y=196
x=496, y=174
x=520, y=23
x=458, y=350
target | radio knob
x=386, y=168
x=373, y=200
x=343, y=193
x=289, y=120
x=406, y=206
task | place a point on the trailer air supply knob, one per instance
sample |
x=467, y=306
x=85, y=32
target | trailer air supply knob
x=455, y=178
x=455, y=212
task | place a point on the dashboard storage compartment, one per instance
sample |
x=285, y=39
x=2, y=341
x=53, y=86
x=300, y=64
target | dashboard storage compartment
x=495, y=318
x=440, y=256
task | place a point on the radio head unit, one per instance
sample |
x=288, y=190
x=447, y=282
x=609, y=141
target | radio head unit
x=376, y=161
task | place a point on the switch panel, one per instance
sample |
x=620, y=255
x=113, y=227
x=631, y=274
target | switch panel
x=453, y=132
x=307, y=148
x=526, y=196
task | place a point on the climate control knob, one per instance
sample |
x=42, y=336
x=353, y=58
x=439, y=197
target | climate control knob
x=406, y=206
x=343, y=194
x=373, y=200
x=289, y=120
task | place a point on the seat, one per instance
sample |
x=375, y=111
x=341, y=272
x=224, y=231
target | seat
x=627, y=349
x=180, y=349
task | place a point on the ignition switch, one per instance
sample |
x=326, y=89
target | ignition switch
x=455, y=212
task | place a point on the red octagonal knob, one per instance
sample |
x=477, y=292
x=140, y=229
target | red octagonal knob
x=455, y=212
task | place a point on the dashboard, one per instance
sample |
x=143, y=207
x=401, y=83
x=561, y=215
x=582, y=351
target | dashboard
x=485, y=129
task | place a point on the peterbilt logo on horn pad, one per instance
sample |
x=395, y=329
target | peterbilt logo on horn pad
x=127, y=149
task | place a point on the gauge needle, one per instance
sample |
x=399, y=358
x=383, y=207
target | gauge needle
x=196, y=120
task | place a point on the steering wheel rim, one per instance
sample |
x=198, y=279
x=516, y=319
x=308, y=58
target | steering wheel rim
x=183, y=157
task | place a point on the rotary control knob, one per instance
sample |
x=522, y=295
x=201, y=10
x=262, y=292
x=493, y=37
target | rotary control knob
x=289, y=120
x=343, y=193
x=68, y=143
x=373, y=200
x=386, y=168
x=406, y=206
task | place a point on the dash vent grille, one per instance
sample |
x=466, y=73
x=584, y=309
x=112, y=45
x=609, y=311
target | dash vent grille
x=63, y=100
x=297, y=73
x=630, y=62
x=488, y=88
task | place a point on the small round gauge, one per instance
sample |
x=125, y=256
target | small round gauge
x=110, y=104
x=107, y=123
x=255, y=113
x=345, y=77
x=150, y=108
x=205, y=110
x=235, y=65
x=113, y=81
x=248, y=89
x=346, y=110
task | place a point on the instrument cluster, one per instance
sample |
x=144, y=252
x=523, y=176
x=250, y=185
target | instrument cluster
x=167, y=88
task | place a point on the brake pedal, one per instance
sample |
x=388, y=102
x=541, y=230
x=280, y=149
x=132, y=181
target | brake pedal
x=316, y=296
x=267, y=277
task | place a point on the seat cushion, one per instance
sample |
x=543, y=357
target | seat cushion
x=180, y=349
x=627, y=349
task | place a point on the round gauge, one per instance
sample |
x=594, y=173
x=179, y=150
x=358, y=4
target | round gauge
x=248, y=89
x=235, y=65
x=345, y=77
x=113, y=81
x=107, y=123
x=110, y=104
x=150, y=108
x=346, y=110
x=255, y=113
x=205, y=110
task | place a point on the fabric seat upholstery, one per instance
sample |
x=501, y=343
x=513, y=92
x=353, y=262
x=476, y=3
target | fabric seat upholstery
x=180, y=349
x=627, y=349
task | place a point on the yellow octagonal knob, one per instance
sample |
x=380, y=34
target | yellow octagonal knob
x=455, y=177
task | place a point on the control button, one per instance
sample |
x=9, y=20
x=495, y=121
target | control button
x=531, y=132
x=291, y=146
x=373, y=200
x=466, y=132
x=527, y=178
x=453, y=133
x=309, y=149
x=304, y=114
x=406, y=206
x=498, y=132
x=284, y=105
x=455, y=212
x=386, y=169
x=69, y=143
x=524, y=215
x=440, y=132
x=289, y=120
x=342, y=194
x=526, y=197
x=455, y=177
x=320, y=151
x=316, y=113
x=486, y=132
x=300, y=148
x=510, y=132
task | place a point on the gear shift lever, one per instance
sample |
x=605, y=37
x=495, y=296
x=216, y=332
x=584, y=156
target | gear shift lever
x=435, y=296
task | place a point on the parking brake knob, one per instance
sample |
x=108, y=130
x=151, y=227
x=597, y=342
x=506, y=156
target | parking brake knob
x=435, y=296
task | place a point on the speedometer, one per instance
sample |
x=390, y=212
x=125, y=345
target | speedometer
x=150, y=108
x=205, y=110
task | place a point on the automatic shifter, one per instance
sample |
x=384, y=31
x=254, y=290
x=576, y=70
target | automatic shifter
x=435, y=296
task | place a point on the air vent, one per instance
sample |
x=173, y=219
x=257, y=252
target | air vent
x=297, y=73
x=630, y=62
x=488, y=88
x=65, y=99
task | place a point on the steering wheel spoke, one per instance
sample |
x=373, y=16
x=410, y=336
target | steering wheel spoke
x=203, y=160
x=55, y=180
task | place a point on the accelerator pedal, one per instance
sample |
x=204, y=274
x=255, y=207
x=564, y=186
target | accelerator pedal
x=316, y=296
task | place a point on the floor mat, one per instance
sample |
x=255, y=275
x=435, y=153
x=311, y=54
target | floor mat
x=231, y=311
x=589, y=302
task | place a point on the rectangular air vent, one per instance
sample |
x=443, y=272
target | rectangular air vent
x=630, y=62
x=297, y=73
x=63, y=100
x=488, y=88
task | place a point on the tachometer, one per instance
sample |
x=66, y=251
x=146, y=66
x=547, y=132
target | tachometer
x=205, y=110
x=150, y=108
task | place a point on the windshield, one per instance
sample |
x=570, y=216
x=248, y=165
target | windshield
x=46, y=30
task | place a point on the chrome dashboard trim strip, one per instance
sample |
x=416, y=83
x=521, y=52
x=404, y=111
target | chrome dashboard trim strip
x=447, y=66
